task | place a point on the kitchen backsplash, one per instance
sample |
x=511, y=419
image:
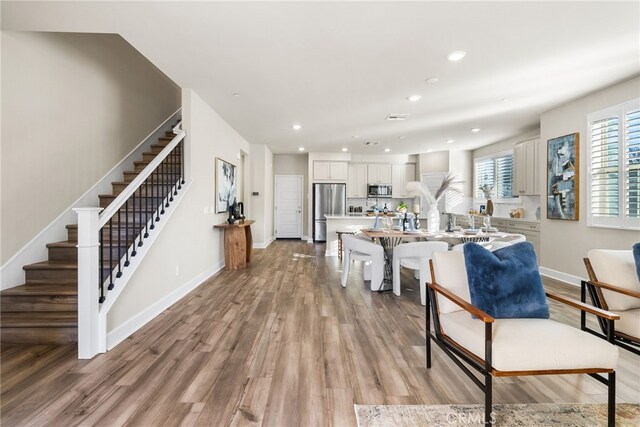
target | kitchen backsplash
x=529, y=204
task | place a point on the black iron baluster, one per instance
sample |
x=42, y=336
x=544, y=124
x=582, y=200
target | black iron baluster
x=133, y=203
x=175, y=171
x=110, y=270
x=146, y=207
x=162, y=187
x=159, y=200
x=101, y=299
x=126, y=232
x=167, y=184
x=140, y=223
x=119, y=274
x=181, y=155
x=153, y=200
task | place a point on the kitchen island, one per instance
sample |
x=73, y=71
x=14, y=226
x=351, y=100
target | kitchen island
x=354, y=222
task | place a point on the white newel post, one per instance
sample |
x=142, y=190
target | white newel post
x=88, y=278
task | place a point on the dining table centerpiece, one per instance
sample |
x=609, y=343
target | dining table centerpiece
x=450, y=184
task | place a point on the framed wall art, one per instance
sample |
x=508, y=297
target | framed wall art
x=563, y=177
x=226, y=185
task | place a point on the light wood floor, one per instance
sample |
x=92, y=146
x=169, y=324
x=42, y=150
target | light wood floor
x=277, y=344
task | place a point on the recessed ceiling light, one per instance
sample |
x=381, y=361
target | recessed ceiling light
x=450, y=141
x=297, y=126
x=504, y=99
x=456, y=55
x=401, y=137
x=432, y=80
x=386, y=150
x=300, y=148
x=475, y=129
x=429, y=150
x=355, y=136
x=236, y=94
x=345, y=149
x=414, y=98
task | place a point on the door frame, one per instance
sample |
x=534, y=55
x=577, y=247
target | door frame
x=275, y=204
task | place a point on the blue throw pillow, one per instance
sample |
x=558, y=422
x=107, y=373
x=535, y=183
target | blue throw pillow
x=506, y=283
x=636, y=256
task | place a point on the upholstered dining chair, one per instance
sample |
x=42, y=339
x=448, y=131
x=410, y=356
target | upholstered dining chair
x=614, y=285
x=512, y=238
x=502, y=347
x=357, y=248
x=415, y=256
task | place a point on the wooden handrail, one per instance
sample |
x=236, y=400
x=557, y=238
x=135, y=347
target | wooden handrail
x=462, y=303
x=582, y=306
x=138, y=180
x=613, y=288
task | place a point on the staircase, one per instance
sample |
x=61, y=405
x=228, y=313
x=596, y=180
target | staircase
x=44, y=309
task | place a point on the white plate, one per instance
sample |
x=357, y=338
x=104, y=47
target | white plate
x=489, y=230
x=414, y=231
x=471, y=231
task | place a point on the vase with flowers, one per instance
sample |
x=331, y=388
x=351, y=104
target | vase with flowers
x=487, y=190
x=449, y=184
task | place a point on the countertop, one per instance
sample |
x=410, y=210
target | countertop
x=350, y=216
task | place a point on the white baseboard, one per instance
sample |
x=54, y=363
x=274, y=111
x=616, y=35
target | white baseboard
x=123, y=331
x=562, y=277
x=12, y=274
x=263, y=245
x=331, y=253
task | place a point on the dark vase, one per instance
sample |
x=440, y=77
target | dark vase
x=489, y=207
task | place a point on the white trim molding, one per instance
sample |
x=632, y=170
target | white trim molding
x=560, y=276
x=122, y=332
x=264, y=245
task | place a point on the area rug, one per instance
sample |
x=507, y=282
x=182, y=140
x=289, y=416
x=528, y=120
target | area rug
x=524, y=415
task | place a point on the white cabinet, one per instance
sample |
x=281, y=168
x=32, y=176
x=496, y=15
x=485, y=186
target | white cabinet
x=357, y=180
x=333, y=171
x=379, y=173
x=400, y=176
x=525, y=163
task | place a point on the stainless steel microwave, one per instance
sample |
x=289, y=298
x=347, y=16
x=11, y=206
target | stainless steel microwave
x=379, y=190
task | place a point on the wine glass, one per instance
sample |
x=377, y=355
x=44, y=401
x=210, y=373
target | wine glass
x=472, y=225
x=486, y=221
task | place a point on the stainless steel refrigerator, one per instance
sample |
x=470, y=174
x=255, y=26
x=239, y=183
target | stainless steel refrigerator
x=328, y=199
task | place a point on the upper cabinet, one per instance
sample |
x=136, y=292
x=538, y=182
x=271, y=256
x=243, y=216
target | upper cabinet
x=329, y=171
x=525, y=162
x=357, y=180
x=400, y=176
x=379, y=173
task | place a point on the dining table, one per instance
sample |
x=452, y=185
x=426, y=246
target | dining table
x=389, y=239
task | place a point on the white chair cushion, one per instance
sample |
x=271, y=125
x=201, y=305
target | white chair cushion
x=617, y=268
x=359, y=256
x=412, y=263
x=451, y=274
x=629, y=322
x=531, y=344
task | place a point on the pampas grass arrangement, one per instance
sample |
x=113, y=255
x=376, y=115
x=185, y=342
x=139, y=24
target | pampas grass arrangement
x=450, y=183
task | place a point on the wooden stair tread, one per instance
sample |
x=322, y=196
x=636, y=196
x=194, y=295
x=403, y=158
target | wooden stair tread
x=39, y=319
x=42, y=289
x=63, y=244
x=52, y=265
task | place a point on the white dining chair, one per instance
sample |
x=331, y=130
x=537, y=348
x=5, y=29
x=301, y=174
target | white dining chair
x=415, y=256
x=359, y=248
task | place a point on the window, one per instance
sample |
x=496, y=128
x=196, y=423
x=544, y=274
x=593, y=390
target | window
x=494, y=171
x=614, y=167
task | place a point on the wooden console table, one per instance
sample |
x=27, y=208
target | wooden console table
x=238, y=243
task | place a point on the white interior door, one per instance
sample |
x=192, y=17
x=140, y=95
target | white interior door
x=288, y=206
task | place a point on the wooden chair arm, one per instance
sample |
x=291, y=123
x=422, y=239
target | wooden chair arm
x=462, y=303
x=614, y=288
x=582, y=306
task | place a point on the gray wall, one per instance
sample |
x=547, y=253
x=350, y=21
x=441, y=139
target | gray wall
x=565, y=243
x=73, y=106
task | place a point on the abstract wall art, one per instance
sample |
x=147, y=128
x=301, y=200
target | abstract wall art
x=563, y=177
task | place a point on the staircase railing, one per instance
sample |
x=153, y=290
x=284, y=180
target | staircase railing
x=108, y=240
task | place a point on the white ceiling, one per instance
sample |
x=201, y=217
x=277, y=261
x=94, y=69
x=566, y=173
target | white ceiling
x=339, y=68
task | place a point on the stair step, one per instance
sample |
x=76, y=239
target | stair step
x=39, y=327
x=72, y=232
x=63, y=251
x=51, y=270
x=40, y=297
